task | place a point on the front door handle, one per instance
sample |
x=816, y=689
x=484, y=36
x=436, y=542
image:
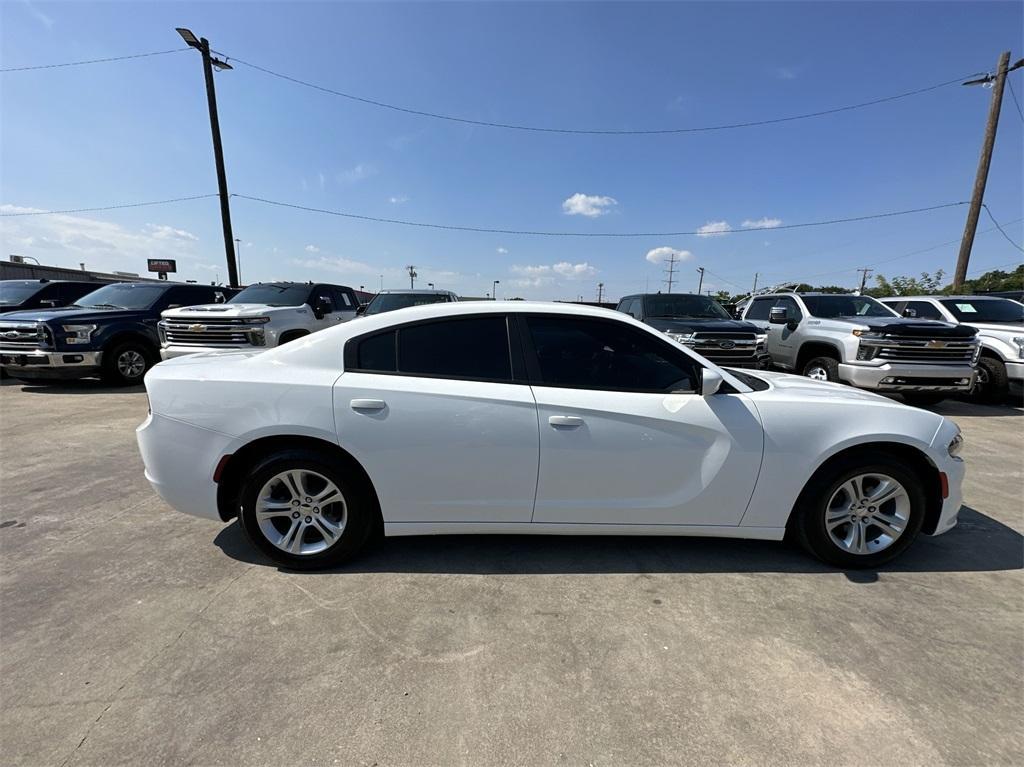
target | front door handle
x=565, y=421
x=368, y=404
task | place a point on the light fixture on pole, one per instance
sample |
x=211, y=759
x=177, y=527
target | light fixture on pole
x=494, y=290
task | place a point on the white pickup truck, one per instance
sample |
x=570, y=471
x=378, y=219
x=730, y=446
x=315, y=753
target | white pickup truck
x=1000, y=324
x=262, y=315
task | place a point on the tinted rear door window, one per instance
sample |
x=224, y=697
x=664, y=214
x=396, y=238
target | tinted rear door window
x=377, y=353
x=471, y=348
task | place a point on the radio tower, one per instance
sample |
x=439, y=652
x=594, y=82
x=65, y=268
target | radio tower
x=672, y=261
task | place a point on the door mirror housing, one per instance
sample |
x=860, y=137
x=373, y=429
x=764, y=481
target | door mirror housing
x=908, y=312
x=710, y=382
x=321, y=308
x=361, y=309
x=778, y=315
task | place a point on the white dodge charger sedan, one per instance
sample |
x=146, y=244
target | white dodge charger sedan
x=495, y=417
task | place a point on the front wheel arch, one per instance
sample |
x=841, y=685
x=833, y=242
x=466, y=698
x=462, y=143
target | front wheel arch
x=238, y=464
x=916, y=461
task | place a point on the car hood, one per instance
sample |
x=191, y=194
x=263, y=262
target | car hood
x=227, y=311
x=71, y=314
x=998, y=327
x=909, y=327
x=690, y=325
x=796, y=386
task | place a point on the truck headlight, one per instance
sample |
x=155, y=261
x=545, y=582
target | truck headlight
x=77, y=334
x=255, y=320
x=956, y=445
x=1019, y=340
x=760, y=339
x=683, y=338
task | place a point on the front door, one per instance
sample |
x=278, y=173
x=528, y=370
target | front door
x=625, y=438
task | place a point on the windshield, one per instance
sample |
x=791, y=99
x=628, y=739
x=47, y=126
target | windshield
x=16, y=292
x=273, y=295
x=846, y=306
x=122, y=296
x=689, y=307
x=985, y=310
x=388, y=302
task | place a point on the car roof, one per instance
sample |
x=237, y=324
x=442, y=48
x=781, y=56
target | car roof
x=645, y=295
x=45, y=281
x=942, y=298
x=416, y=291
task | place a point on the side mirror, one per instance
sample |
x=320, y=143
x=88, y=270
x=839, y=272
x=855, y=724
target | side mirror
x=321, y=308
x=361, y=309
x=173, y=306
x=908, y=312
x=778, y=315
x=710, y=382
x=51, y=302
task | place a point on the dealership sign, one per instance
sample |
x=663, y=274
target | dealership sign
x=163, y=265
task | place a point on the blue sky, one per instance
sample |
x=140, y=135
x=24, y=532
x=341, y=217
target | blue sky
x=134, y=131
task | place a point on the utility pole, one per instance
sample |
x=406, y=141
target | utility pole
x=203, y=46
x=238, y=258
x=494, y=289
x=864, y=272
x=754, y=289
x=701, y=283
x=672, y=261
x=412, y=276
x=600, y=291
x=977, y=197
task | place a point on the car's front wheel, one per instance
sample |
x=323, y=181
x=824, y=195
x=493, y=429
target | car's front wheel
x=991, y=386
x=861, y=512
x=126, y=363
x=303, y=512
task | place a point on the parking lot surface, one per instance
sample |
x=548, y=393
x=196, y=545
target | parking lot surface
x=131, y=634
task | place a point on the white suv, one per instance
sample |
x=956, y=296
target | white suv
x=262, y=315
x=1000, y=324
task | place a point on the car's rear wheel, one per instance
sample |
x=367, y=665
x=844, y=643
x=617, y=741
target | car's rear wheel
x=861, y=512
x=822, y=369
x=303, y=512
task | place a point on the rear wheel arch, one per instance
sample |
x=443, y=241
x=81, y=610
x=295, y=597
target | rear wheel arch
x=910, y=457
x=245, y=458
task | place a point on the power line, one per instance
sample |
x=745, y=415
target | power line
x=92, y=61
x=486, y=230
x=1014, y=95
x=106, y=207
x=1018, y=247
x=593, y=131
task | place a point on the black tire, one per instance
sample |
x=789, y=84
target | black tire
x=121, y=363
x=810, y=512
x=923, y=398
x=360, y=511
x=992, y=385
x=823, y=365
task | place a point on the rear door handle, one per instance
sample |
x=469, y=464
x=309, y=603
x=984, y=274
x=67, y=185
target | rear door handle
x=565, y=421
x=368, y=404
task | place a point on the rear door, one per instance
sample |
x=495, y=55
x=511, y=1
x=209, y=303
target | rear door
x=625, y=438
x=345, y=303
x=434, y=414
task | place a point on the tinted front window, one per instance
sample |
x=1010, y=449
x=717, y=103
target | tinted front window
x=273, y=295
x=594, y=354
x=123, y=296
x=846, y=306
x=15, y=292
x=388, y=302
x=985, y=310
x=792, y=308
x=922, y=310
x=760, y=308
x=685, y=306
x=476, y=347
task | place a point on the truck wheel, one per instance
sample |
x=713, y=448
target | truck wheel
x=992, y=385
x=126, y=363
x=303, y=511
x=822, y=369
x=860, y=512
x=923, y=398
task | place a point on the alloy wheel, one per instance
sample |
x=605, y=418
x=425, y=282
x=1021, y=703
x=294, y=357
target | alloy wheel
x=301, y=512
x=131, y=364
x=867, y=514
x=818, y=373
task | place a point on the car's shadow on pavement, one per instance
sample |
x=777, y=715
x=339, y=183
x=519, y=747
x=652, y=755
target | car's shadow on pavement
x=978, y=543
x=72, y=386
x=953, y=408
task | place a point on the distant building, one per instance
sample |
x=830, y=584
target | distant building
x=10, y=270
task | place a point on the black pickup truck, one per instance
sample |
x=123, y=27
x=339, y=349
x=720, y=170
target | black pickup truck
x=703, y=325
x=110, y=332
x=17, y=295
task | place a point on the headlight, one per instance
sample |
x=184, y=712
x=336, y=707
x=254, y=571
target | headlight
x=761, y=339
x=78, y=334
x=255, y=320
x=683, y=338
x=1019, y=340
x=956, y=445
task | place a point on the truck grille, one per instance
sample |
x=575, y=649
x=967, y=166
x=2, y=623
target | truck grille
x=14, y=335
x=229, y=333
x=925, y=350
x=726, y=348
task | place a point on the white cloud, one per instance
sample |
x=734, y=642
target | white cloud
x=358, y=173
x=503, y=251
x=336, y=264
x=589, y=205
x=398, y=199
x=659, y=255
x=714, y=229
x=312, y=249
x=544, y=274
x=786, y=73
x=762, y=223
x=164, y=232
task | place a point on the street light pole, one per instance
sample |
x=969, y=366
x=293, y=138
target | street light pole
x=701, y=283
x=238, y=258
x=494, y=290
x=203, y=46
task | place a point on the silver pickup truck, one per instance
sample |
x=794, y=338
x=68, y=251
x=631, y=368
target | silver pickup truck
x=859, y=341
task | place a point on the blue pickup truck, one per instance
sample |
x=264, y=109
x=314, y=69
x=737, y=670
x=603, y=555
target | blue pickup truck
x=110, y=332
